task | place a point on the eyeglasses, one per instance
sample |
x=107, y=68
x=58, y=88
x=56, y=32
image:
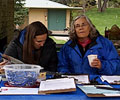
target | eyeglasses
x=83, y=25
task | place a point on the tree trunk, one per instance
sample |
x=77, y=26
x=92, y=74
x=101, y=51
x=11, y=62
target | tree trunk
x=99, y=5
x=102, y=7
x=84, y=5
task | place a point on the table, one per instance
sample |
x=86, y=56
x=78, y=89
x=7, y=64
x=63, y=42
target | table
x=77, y=95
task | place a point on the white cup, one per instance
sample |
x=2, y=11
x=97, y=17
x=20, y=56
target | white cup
x=91, y=58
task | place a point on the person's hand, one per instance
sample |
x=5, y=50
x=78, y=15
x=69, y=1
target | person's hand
x=96, y=63
x=4, y=62
x=6, y=56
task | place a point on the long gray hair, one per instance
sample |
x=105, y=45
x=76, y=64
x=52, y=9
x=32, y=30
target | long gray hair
x=93, y=32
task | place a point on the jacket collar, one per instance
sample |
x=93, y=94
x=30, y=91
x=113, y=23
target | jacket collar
x=94, y=44
x=74, y=43
x=22, y=36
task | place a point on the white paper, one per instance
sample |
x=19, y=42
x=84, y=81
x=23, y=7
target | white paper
x=111, y=79
x=0, y=78
x=0, y=82
x=19, y=91
x=112, y=95
x=56, y=84
x=81, y=79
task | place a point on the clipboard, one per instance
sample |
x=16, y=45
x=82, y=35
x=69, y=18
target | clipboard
x=92, y=91
x=57, y=86
x=112, y=79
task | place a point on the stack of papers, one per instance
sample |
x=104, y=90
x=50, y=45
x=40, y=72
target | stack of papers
x=80, y=79
x=18, y=91
x=111, y=79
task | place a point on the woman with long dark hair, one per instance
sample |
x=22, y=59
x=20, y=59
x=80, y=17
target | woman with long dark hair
x=33, y=46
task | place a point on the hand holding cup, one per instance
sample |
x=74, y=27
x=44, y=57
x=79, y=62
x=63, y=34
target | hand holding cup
x=94, y=61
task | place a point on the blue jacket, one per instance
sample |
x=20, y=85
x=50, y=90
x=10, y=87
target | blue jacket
x=72, y=62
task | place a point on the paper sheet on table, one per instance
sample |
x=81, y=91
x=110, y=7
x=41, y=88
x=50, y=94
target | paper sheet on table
x=112, y=95
x=111, y=79
x=19, y=91
x=91, y=89
x=0, y=82
x=0, y=78
x=81, y=79
x=57, y=84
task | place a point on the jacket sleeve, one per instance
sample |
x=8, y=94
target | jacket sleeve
x=63, y=60
x=111, y=60
x=11, y=50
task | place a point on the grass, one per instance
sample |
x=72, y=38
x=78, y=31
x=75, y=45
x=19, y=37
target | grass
x=58, y=41
x=106, y=19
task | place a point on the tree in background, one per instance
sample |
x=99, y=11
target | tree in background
x=102, y=5
x=19, y=12
x=76, y=3
x=86, y=4
x=114, y=3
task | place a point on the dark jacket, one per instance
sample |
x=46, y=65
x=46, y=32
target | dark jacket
x=48, y=57
x=71, y=59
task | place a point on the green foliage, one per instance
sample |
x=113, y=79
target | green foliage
x=19, y=12
x=114, y=3
x=76, y=3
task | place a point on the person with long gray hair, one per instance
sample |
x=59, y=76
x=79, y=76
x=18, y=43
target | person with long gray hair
x=86, y=40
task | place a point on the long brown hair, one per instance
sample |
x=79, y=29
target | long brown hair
x=32, y=30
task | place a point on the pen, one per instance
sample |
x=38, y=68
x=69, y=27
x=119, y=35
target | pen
x=4, y=89
x=107, y=88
